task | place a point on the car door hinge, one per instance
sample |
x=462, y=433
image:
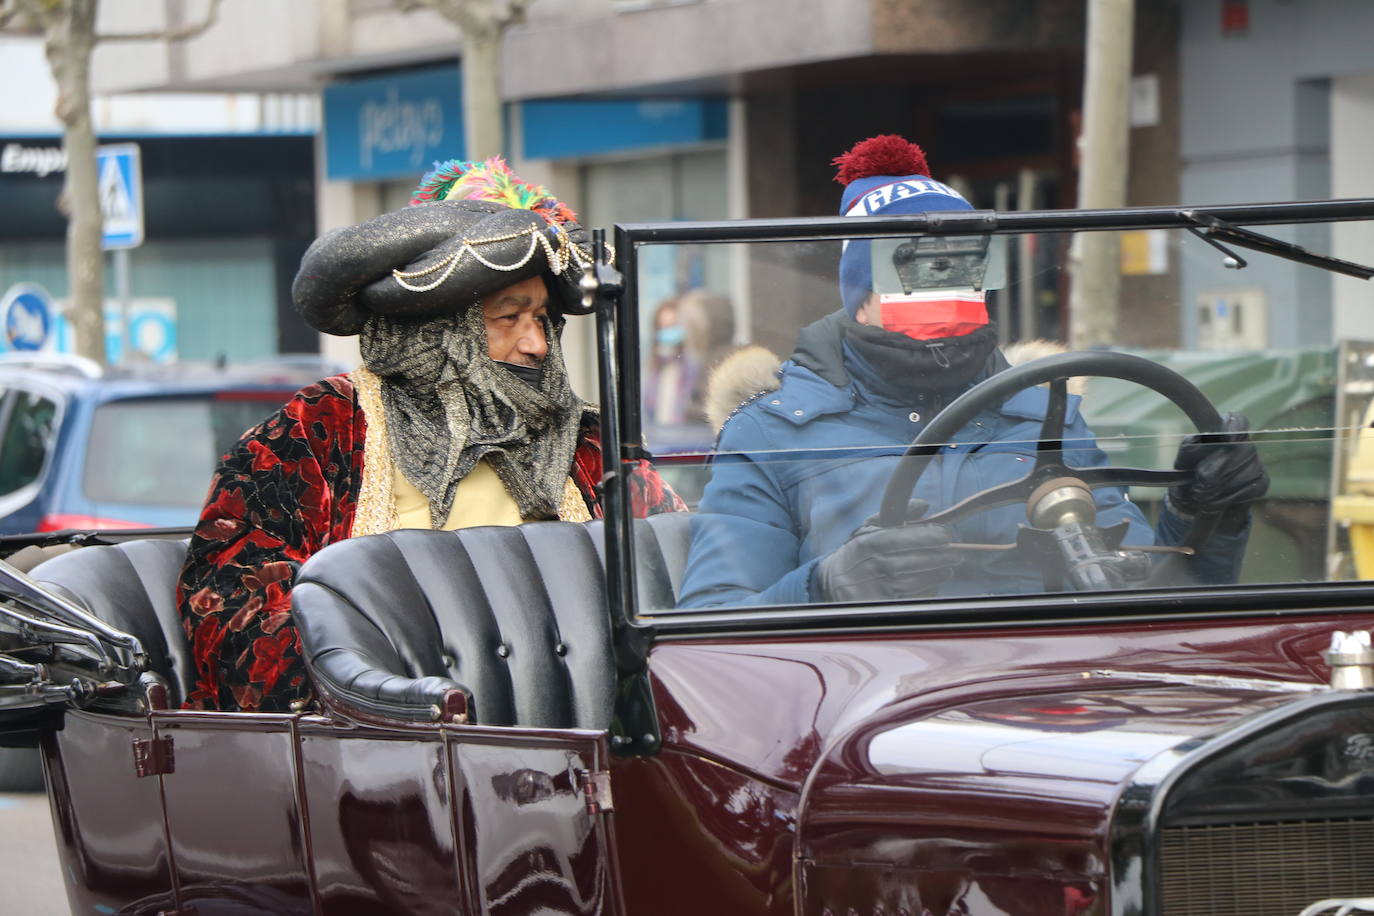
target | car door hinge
x=153, y=756
x=596, y=787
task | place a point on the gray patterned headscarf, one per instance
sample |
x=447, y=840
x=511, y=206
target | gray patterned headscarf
x=448, y=406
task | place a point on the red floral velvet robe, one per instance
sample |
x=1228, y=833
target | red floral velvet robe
x=288, y=488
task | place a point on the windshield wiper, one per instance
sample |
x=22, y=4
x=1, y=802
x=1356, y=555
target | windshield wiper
x=1215, y=231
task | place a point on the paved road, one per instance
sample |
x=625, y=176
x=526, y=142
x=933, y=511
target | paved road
x=30, y=881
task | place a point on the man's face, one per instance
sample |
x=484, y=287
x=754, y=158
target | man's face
x=515, y=331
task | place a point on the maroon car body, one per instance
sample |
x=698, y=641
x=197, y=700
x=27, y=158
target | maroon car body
x=1162, y=750
x=820, y=774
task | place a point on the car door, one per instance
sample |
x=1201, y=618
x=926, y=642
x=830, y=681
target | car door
x=412, y=635
x=292, y=814
x=456, y=819
x=535, y=825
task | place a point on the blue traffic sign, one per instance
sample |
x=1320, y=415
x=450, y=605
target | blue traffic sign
x=120, y=183
x=27, y=313
x=154, y=334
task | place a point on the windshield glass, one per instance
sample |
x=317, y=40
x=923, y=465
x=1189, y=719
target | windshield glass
x=780, y=385
x=167, y=447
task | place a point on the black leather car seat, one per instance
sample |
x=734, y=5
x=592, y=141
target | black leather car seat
x=132, y=587
x=516, y=616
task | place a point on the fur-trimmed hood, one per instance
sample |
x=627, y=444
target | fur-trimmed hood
x=742, y=376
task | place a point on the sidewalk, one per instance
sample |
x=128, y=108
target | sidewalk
x=29, y=871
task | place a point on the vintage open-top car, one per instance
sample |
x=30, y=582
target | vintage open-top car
x=592, y=718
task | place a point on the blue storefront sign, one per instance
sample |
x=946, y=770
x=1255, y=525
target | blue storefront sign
x=555, y=128
x=393, y=126
x=398, y=125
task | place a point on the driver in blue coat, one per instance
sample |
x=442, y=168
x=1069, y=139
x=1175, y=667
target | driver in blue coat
x=789, y=515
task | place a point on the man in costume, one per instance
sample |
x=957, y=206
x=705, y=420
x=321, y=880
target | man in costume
x=770, y=530
x=460, y=415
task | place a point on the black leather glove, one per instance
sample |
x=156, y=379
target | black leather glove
x=1227, y=473
x=879, y=563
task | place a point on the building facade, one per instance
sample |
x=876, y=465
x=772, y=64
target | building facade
x=1280, y=106
x=228, y=203
x=665, y=109
x=650, y=110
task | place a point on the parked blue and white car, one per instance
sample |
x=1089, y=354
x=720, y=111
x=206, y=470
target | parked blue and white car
x=82, y=447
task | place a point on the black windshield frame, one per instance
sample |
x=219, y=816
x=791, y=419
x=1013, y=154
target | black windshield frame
x=619, y=354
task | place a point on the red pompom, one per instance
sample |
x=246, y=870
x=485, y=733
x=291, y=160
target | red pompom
x=886, y=154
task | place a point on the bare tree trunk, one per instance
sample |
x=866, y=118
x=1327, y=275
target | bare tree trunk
x=482, y=126
x=1096, y=256
x=69, y=37
x=484, y=24
x=68, y=42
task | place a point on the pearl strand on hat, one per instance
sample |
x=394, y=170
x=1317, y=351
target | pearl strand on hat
x=558, y=259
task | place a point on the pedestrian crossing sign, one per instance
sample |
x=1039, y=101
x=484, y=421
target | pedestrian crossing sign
x=120, y=182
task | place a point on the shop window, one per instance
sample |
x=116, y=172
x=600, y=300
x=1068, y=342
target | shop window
x=997, y=129
x=658, y=189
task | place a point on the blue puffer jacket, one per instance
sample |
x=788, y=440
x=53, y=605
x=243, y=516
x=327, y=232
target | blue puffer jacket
x=798, y=469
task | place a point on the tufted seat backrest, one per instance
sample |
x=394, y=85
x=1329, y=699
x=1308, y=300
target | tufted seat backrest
x=517, y=616
x=132, y=587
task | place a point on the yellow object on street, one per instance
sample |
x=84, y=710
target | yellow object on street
x=1355, y=506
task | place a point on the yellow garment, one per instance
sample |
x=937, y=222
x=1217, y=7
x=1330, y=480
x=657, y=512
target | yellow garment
x=481, y=499
x=385, y=490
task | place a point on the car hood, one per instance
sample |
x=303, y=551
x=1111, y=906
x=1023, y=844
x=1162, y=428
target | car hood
x=776, y=708
x=983, y=772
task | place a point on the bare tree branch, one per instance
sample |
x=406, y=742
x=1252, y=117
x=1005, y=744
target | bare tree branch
x=516, y=9
x=15, y=17
x=181, y=34
x=472, y=15
x=483, y=24
x=462, y=13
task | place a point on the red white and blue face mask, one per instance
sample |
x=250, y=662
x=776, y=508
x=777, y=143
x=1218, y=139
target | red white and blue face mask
x=931, y=314
x=932, y=286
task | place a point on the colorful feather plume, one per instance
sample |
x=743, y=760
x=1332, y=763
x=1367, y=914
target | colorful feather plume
x=490, y=180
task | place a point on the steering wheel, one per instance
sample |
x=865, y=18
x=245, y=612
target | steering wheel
x=1049, y=467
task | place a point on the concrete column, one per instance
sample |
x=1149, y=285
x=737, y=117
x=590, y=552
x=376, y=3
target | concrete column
x=579, y=334
x=1352, y=136
x=334, y=28
x=341, y=203
x=737, y=187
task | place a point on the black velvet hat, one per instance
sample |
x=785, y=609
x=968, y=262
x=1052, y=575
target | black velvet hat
x=472, y=228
